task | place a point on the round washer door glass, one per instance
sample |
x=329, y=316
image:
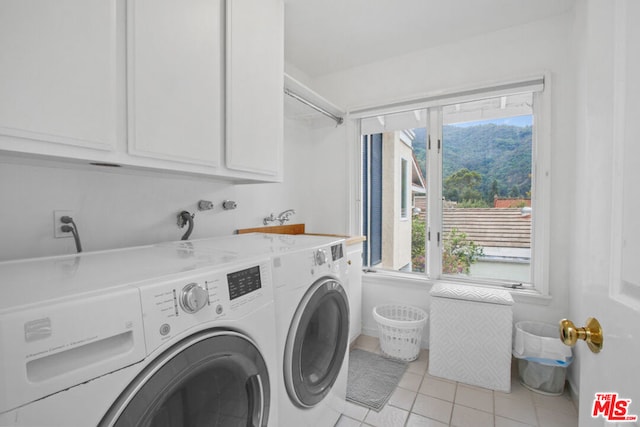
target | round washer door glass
x=317, y=342
x=219, y=379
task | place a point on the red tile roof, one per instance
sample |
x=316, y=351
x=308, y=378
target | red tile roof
x=511, y=202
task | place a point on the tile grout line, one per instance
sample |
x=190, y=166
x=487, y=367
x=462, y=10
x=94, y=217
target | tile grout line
x=414, y=399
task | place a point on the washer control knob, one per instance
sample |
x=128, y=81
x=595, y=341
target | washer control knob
x=320, y=257
x=193, y=297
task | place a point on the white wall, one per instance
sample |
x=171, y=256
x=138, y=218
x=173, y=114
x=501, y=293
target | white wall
x=260, y=200
x=119, y=208
x=328, y=185
x=501, y=55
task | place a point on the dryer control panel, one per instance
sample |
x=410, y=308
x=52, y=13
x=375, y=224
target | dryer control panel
x=174, y=307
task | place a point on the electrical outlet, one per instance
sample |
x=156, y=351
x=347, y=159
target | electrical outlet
x=57, y=232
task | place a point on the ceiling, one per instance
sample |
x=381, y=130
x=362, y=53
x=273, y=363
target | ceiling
x=326, y=36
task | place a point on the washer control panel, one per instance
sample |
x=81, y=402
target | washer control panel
x=171, y=307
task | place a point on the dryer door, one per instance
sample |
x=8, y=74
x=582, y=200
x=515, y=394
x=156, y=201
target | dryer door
x=216, y=378
x=317, y=342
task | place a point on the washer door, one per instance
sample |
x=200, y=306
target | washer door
x=217, y=378
x=317, y=342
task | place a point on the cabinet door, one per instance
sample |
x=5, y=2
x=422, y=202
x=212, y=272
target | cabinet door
x=175, y=78
x=255, y=67
x=57, y=74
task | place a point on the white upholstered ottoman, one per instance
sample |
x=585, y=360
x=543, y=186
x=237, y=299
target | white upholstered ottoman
x=470, y=335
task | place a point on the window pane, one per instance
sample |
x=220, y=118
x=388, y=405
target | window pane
x=394, y=202
x=486, y=188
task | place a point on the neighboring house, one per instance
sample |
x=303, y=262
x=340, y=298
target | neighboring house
x=397, y=161
x=503, y=233
x=389, y=243
x=418, y=187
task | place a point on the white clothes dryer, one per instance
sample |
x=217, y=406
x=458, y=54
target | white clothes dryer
x=312, y=321
x=154, y=335
x=312, y=326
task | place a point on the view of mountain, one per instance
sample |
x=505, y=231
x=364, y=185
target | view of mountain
x=500, y=153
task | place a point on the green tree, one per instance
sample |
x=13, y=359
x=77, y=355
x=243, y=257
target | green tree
x=493, y=192
x=418, y=241
x=462, y=185
x=458, y=254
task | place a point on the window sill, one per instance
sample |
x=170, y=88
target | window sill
x=520, y=296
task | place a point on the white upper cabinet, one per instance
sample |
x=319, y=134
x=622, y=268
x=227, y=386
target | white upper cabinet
x=188, y=86
x=57, y=75
x=175, y=80
x=255, y=68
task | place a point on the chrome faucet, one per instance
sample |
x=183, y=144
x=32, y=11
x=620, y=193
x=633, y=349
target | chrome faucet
x=281, y=218
x=285, y=216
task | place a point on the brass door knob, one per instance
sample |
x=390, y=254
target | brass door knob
x=591, y=333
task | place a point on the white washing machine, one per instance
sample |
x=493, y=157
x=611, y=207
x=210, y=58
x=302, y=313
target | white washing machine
x=312, y=321
x=151, y=336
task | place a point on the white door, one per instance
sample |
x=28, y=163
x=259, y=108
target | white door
x=607, y=256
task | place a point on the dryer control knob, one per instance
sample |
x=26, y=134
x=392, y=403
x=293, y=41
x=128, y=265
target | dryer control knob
x=321, y=257
x=193, y=297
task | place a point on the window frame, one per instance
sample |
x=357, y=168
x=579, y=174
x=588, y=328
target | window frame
x=540, y=86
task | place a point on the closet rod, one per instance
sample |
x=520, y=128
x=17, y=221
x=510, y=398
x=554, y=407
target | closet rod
x=338, y=120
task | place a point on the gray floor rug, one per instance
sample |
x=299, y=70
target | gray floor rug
x=372, y=378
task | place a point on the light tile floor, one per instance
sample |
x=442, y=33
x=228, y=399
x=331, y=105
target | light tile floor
x=421, y=400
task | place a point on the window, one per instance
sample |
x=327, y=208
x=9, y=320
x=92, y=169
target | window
x=464, y=170
x=404, y=190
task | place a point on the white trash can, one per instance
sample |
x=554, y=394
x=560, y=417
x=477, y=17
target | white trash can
x=542, y=357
